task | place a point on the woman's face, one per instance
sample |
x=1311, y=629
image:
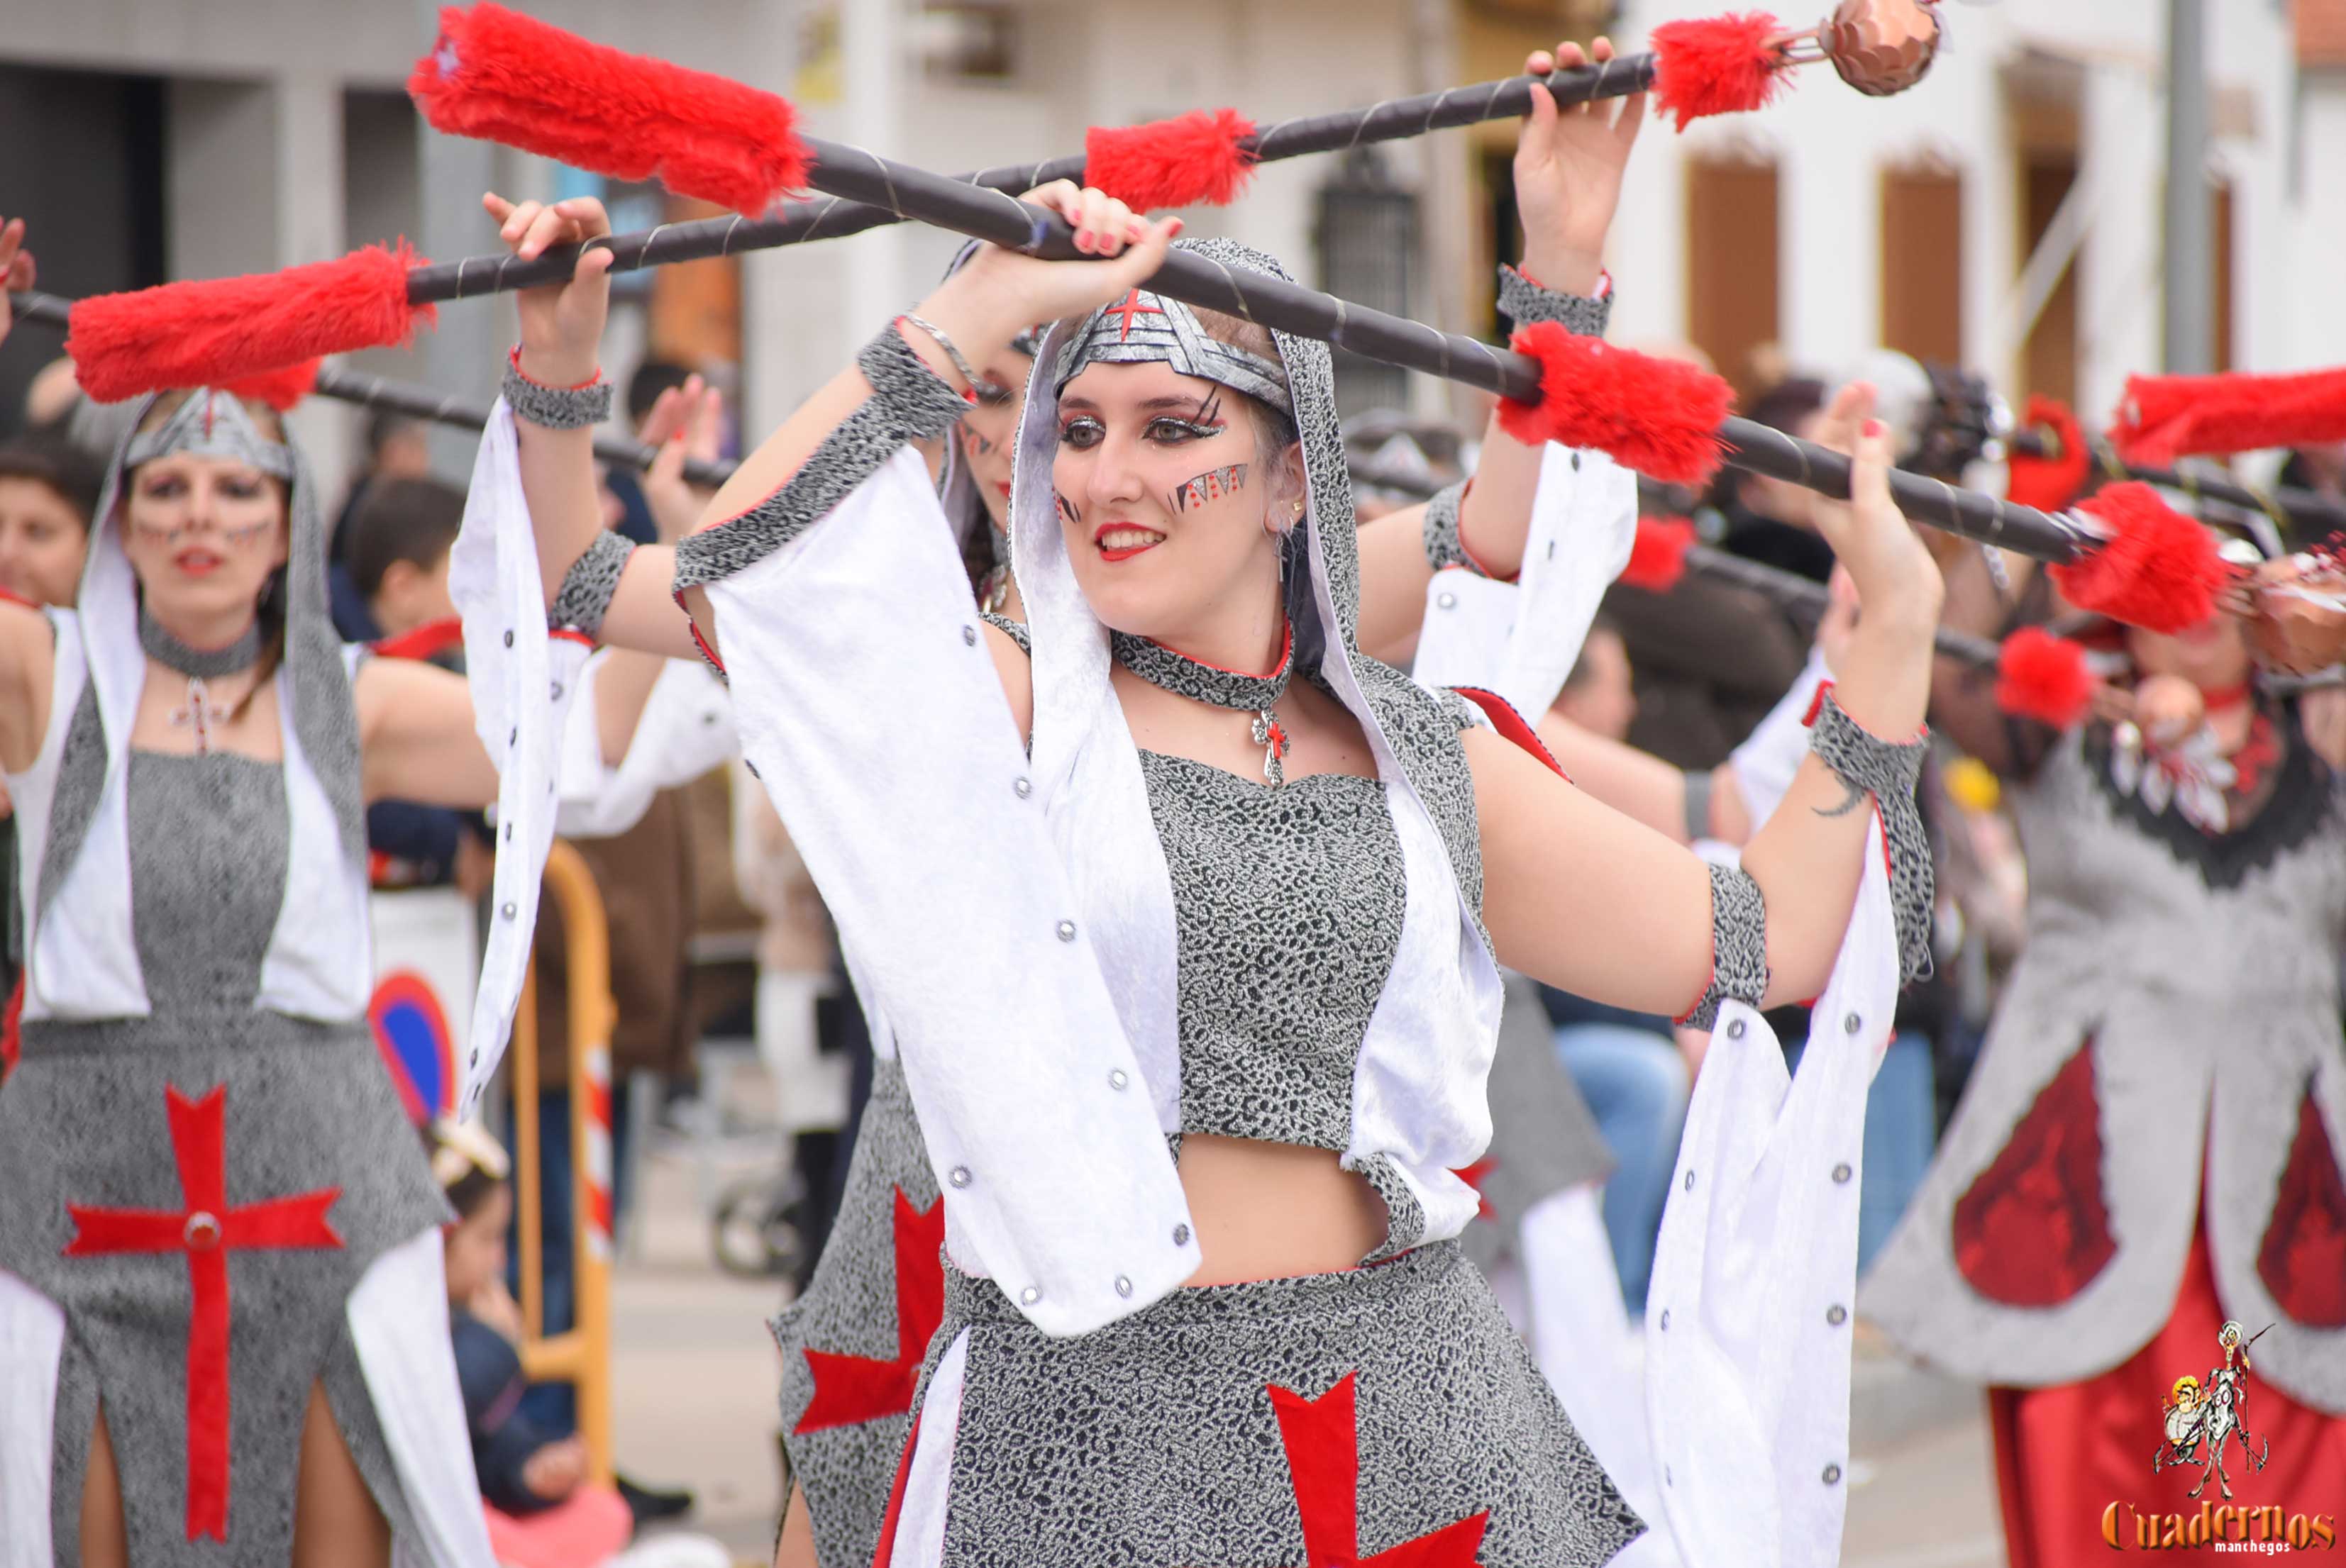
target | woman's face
x=43, y=539
x=476, y=1247
x=2212, y=656
x=1167, y=508
x=203, y=534
x=988, y=435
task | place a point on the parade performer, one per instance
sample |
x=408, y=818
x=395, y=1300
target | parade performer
x=220, y=1252
x=1314, y=1043
x=2151, y=1141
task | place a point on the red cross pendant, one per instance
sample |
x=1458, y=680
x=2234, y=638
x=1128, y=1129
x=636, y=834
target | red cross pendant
x=850, y=1389
x=206, y=1230
x=1322, y=1438
x=1131, y=308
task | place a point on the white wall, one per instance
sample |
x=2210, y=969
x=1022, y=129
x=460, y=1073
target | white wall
x=1832, y=143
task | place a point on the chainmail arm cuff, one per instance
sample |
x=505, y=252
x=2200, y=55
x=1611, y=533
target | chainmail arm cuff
x=1445, y=545
x=586, y=588
x=909, y=402
x=1739, y=945
x=555, y=408
x=1523, y=302
x=1014, y=630
x=1869, y=765
x=1698, y=803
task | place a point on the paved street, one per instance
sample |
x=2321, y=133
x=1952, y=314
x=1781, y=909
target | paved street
x=697, y=1377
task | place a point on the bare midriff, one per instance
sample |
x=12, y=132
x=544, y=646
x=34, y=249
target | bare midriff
x=1265, y=1211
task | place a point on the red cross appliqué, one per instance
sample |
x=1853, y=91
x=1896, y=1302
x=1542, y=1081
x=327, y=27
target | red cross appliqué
x=1475, y=1175
x=206, y=1230
x=849, y=1389
x=1322, y=1438
x=1131, y=308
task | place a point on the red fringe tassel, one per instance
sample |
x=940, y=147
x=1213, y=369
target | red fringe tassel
x=1190, y=160
x=280, y=388
x=2039, y=675
x=2167, y=417
x=2158, y=570
x=2050, y=484
x=507, y=77
x=1657, y=558
x=1658, y=416
x=1716, y=65
x=220, y=330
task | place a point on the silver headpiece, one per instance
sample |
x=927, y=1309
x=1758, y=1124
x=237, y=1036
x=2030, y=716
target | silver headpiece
x=1149, y=329
x=212, y=422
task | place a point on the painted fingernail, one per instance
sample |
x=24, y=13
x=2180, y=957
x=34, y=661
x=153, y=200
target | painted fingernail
x=1873, y=427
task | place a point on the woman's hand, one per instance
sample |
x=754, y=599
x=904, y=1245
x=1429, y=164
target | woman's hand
x=1837, y=628
x=2168, y=709
x=1001, y=292
x=16, y=267
x=561, y=323
x=1895, y=578
x=1568, y=165
x=685, y=422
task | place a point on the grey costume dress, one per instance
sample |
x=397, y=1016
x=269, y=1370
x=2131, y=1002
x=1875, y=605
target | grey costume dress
x=197, y=1189
x=2166, y=1060
x=1305, y=1420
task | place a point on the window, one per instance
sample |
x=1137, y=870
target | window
x=1922, y=262
x=1367, y=236
x=1731, y=265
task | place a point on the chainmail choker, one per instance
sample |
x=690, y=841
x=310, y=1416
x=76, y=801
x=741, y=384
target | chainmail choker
x=1172, y=670
x=198, y=664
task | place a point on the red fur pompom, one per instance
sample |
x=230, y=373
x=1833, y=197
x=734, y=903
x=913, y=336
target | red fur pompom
x=2167, y=417
x=509, y=79
x=222, y=329
x=1658, y=416
x=2158, y=569
x=1716, y=65
x=2039, y=675
x=2049, y=483
x=280, y=388
x=1191, y=160
x=1657, y=557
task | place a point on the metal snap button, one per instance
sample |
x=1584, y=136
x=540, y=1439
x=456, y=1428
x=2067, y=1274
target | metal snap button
x=1180, y=1236
x=1066, y=931
x=1023, y=787
x=1832, y=1475
x=1123, y=1286
x=202, y=1233
x=1841, y=1173
x=1735, y=1029
x=1689, y=1181
x=959, y=1176
x=1031, y=1293
x=1851, y=1024
x=1117, y=1078
x=1446, y=601
x=509, y=911
x=1666, y=1320
x=508, y=639
x=1836, y=1314
x=969, y=636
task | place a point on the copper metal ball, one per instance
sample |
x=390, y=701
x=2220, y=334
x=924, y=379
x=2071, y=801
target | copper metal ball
x=1880, y=46
x=2300, y=624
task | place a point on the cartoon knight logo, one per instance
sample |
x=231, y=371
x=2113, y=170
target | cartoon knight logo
x=2201, y=1417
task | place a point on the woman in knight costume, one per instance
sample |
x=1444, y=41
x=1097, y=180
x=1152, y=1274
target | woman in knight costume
x=218, y=1240
x=2151, y=1142
x=1187, y=966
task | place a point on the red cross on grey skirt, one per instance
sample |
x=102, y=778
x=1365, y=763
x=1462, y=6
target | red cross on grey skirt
x=851, y=1390
x=206, y=1230
x=1322, y=1438
x=1131, y=308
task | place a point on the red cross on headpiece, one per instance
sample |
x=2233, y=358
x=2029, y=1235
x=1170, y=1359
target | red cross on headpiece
x=1131, y=308
x=206, y=1230
x=849, y=1389
x=1322, y=1438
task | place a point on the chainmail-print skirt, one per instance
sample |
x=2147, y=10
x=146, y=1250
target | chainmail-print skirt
x=199, y=1193
x=1321, y=1419
x=852, y=1345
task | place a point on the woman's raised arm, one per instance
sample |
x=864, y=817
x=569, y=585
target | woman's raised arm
x=1567, y=173
x=1593, y=903
x=27, y=668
